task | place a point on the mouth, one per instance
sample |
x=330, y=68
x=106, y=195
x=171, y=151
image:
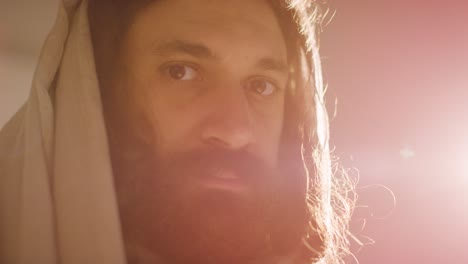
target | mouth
x=225, y=180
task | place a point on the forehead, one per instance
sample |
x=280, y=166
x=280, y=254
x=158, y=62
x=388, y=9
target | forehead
x=245, y=26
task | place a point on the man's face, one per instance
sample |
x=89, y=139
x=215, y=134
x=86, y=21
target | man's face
x=205, y=80
x=210, y=74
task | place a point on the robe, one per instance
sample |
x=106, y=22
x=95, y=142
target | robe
x=57, y=197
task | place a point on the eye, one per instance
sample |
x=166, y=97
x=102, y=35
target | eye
x=262, y=87
x=181, y=72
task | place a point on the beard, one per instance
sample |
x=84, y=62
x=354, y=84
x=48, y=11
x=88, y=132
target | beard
x=165, y=211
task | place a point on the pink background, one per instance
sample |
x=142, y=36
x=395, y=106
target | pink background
x=400, y=72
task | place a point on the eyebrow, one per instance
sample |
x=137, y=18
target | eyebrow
x=202, y=51
x=189, y=48
x=271, y=64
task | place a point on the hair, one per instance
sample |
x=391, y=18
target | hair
x=330, y=195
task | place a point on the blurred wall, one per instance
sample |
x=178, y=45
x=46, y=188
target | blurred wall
x=24, y=25
x=400, y=72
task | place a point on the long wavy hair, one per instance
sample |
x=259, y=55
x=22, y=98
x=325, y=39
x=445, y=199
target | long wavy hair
x=329, y=192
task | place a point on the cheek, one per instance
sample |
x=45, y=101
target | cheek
x=173, y=123
x=169, y=121
x=268, y=132
x=174, y=130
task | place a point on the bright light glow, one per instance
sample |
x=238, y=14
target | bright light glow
x=462, y=161
x=407, y=153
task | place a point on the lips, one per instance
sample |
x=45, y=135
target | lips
x=226, y=180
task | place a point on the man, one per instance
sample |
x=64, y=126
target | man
x=194, y=134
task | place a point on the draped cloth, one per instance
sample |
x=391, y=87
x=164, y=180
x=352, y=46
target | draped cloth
x=57, y=197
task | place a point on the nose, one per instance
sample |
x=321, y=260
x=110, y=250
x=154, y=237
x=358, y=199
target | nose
x=230, y=121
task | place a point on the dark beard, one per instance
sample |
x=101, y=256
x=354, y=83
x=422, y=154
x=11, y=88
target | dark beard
x=163, y=210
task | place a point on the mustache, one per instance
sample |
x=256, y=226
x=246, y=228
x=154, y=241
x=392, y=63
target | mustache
x=203, y=162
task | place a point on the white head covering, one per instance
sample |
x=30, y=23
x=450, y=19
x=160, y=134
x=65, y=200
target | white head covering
x=57, y=198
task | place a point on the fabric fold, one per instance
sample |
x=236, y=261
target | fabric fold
x=57, y=198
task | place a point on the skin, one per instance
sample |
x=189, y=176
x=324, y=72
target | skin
x=225, y=99
x=194, y=77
